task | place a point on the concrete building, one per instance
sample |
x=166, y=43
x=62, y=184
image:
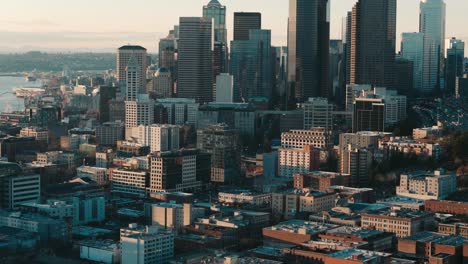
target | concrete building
x=124, y=54
x=47, y=228
x=224, y=88
x=16, y=187
x=131, y=149
x=313, y=202
x=369, y=115
x=40, y=134
x=432, y=26
x=224, y=146
x=446, y=207
x=294, y=232
x=139, y=113
x=157, y=137
x=297, y=160
x=151, y=246
x=181, y=170
x=427, y=186
x=317, y=137
x=176, y=216
x=179, y=111
x=97, y=174
x=109, y=133
x=102, y=251
x=286, y=203
x=407, y=146
x=130, y=182
x=356, y=162
x=402, y=223
x=195, y=71
x=320, y=180
x=244, y=197
x=318, y=112
x=425, y=132
x=162, y=83
x=354, y=91
x=362, y=139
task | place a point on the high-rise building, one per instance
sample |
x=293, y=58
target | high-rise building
x=214, y=10
x=106, y=93
x=412, y=48
x=298, y=160
x=162, y=83
x=168, y=52
x=251, y=66
x=158, y=137
x=139, y=113
x=372, y=43
x=224, y=88
x=432, y=25
x=224, y=146
x=318, y=112
x=133, y=72
x=109, y=133
x=308, y=48
x=369, y=114
x=357, y=163
x=180, y=111
x=317, y=137
x=16, y=187
x=454, y=66
x=181, y=170
x=195, y=71
x=124, y=54
x=244, y=22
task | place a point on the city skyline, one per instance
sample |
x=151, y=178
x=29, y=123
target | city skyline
x=51, y=27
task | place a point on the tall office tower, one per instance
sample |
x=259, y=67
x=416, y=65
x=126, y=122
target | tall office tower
x=158, y=137
x=308, y=48
x=214, y=10
x=404, y=76
x=369, y=115
x=133, y=72
x=224, y=146
x=224, y=88
x=432, y=25
x=372, y=40
x=106, y=93
x=244, y=22
x=454, y=66
x=167, y=52
x=162, y=83
x=251, y=66
x=356, y=162
x=124, y=54
x=195, y=69
x=180, y=111
x=335, y=64
x=412, y=49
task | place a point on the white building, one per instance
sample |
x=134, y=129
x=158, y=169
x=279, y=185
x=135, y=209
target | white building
x=130, y=182
x=157, y=137
x=101, y=251
x=53, y=208
x=224, y=88
x=318, y=112
x=40, y=134
x=99, y=175
x=176, y=216
x=151, y=246
x=316, y=137
x=412, y=49
x=244, y=197
x=427, y=186
x=139, y=113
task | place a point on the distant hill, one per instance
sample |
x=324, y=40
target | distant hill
x=56, y=61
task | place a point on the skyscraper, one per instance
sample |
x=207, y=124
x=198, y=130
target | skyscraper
x=372, y=43
x=195, y=73
x=214, y=10
x=432, y=25
x=412, y=49
x=251, y=66
x=133, y=76
x=244, y=22
x=124, y=54
x=368, y=115
x=454, y=66
x=308, y=48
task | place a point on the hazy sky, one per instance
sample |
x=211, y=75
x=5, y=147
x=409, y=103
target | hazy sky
x=103, y=25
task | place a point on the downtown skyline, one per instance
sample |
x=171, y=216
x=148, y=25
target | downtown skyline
x=53, y=27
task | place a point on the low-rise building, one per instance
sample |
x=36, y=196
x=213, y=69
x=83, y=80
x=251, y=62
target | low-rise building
x=425, y=132
x=294, y=232
x=407, y=146
x=298, y=160
x=456, y=229
x=40, y=134
x=426, y=186
x=244, y=197
x=286, y=203
x=402, y=223
x=320, y=180
x=99, y=175
x=130, y=182
x=172, y=215
x=314, y=201
x=101, y=251
x=375, y=239
x=446, y=207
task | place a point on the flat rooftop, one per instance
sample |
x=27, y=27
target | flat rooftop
x=355, y=231
x=302, y=227
x=402, y=200
x=362, y=255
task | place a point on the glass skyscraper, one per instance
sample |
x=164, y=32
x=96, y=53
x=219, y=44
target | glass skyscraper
x=214, y=10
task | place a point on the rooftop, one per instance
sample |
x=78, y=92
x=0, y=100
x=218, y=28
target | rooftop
x=355, y=231
x=438, y=238
x=404, y=213
x=302, y=227
x=107, y=244
x=132, y=47
x=362, y=255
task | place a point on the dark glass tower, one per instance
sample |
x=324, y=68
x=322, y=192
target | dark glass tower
x=308, y=48
x=372, y=50
x=244, y=22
